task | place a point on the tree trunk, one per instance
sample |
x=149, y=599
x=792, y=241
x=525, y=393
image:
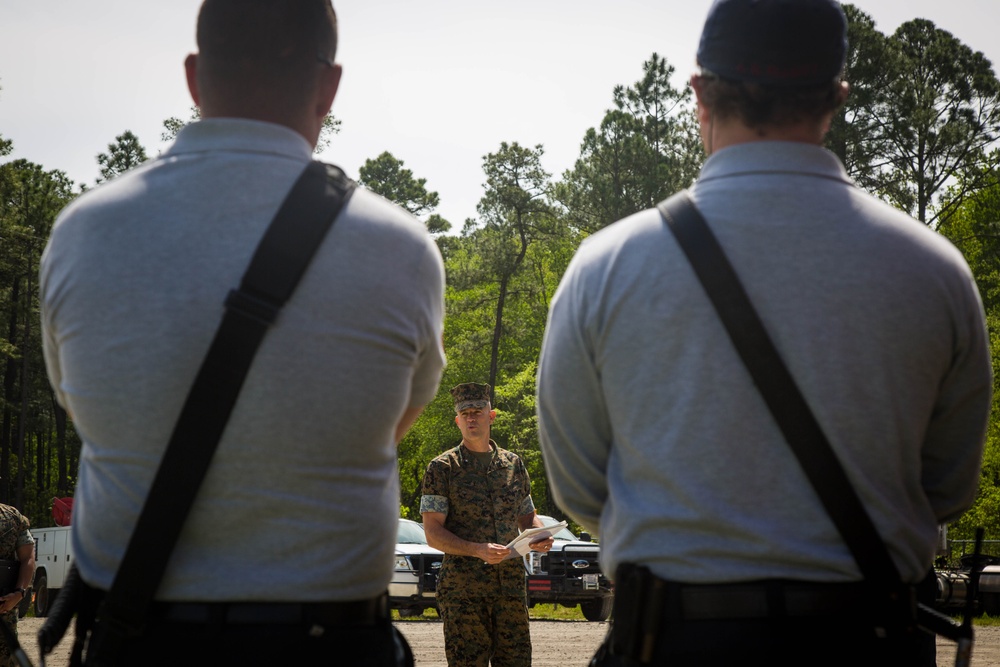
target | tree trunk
x=9, y=387
x=22, y=427
x=495, y=348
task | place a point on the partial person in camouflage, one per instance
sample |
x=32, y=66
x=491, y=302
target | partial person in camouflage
x=17, y=550
x=477, y=498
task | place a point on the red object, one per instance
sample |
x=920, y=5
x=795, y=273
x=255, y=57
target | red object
x=539, y=584
x=62, y=511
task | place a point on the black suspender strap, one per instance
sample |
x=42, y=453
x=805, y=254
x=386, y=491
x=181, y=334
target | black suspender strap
x=280, y=260
x=781, y=394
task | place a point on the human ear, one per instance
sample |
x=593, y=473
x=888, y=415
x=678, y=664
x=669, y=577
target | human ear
x=328, y=89
x=191, y=72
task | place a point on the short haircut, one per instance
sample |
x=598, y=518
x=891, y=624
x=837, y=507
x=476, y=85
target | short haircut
x=255, y=47
x=759, y=106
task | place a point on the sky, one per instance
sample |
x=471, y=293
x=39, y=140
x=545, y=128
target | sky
x=438, y=84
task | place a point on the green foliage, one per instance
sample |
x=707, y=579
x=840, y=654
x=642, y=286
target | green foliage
x=516, y=214
x=37, y=454
x=923, y=111
x=645, y=149
x=501, y=276
x=386, y=176
x=856, y=134
x=517, y=427
x=919, y=121
x=173, y=125
x=944, y=106
x=974, y=228
x=544, y=612
x=331, y=126
x=434, y=433
x=985, y=620
x=555, y=612
x=126, y=152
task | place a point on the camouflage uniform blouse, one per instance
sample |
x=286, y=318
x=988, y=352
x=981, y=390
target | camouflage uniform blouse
x=13, y=534
x=480, y=505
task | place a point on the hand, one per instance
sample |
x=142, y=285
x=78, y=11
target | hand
x=492, y=553
x=542, y=545
x=10, y=601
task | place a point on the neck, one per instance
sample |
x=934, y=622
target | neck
x=717, y=135
x=298, y=125
x=731, y=134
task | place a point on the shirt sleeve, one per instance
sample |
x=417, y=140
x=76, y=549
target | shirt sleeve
x=25, y=538
x=953, y=446
x=573, y=426
x=50, y=348
x=431, y=360
x=435, y=491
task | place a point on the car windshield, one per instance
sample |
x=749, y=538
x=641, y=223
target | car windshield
x=410, y=532
x=563, y=534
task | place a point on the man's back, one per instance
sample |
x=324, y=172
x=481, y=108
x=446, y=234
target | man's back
x=303, y=483
x=878, y=321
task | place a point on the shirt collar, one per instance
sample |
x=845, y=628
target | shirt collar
x=775, y=157
x=466, y=454
x=240, y=135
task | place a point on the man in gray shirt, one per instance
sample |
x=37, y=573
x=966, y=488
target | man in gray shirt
x=297, y=516
x=655, y=436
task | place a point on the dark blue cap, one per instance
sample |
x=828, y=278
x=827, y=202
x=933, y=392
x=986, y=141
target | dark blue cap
x=775, y=42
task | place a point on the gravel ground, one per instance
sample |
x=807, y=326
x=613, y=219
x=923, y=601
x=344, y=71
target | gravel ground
x=554, y=644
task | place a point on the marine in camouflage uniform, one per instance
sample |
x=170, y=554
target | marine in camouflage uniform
x=477, y=498
x=16, y=544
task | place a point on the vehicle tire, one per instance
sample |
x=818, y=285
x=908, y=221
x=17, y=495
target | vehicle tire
x=23, y=606
x=41, y=595
x=597, y=610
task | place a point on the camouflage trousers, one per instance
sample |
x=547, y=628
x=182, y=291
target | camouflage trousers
x=479, y=632
x=6, y=652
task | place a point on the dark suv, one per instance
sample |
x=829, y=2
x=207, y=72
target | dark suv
x=569, y=575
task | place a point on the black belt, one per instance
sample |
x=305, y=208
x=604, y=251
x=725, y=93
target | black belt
x=649, y=610
x=766, y=599
x=326, y=614
x=640, y=594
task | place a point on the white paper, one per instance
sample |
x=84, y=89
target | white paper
x=521, y=544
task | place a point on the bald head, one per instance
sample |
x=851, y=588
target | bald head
x=273, y=32
x=263, y=59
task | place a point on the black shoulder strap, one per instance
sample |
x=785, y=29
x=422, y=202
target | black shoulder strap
x=280, y=260
x=782, y=395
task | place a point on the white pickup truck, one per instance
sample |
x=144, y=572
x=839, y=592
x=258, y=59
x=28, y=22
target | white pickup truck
x=53, y=557
x=414, y=581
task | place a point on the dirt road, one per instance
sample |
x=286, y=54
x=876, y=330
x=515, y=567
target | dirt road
x=554, y=644
x=572, y=643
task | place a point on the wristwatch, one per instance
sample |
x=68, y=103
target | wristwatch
x=24, y=592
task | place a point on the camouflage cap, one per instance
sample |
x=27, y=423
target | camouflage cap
x=470, y=395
